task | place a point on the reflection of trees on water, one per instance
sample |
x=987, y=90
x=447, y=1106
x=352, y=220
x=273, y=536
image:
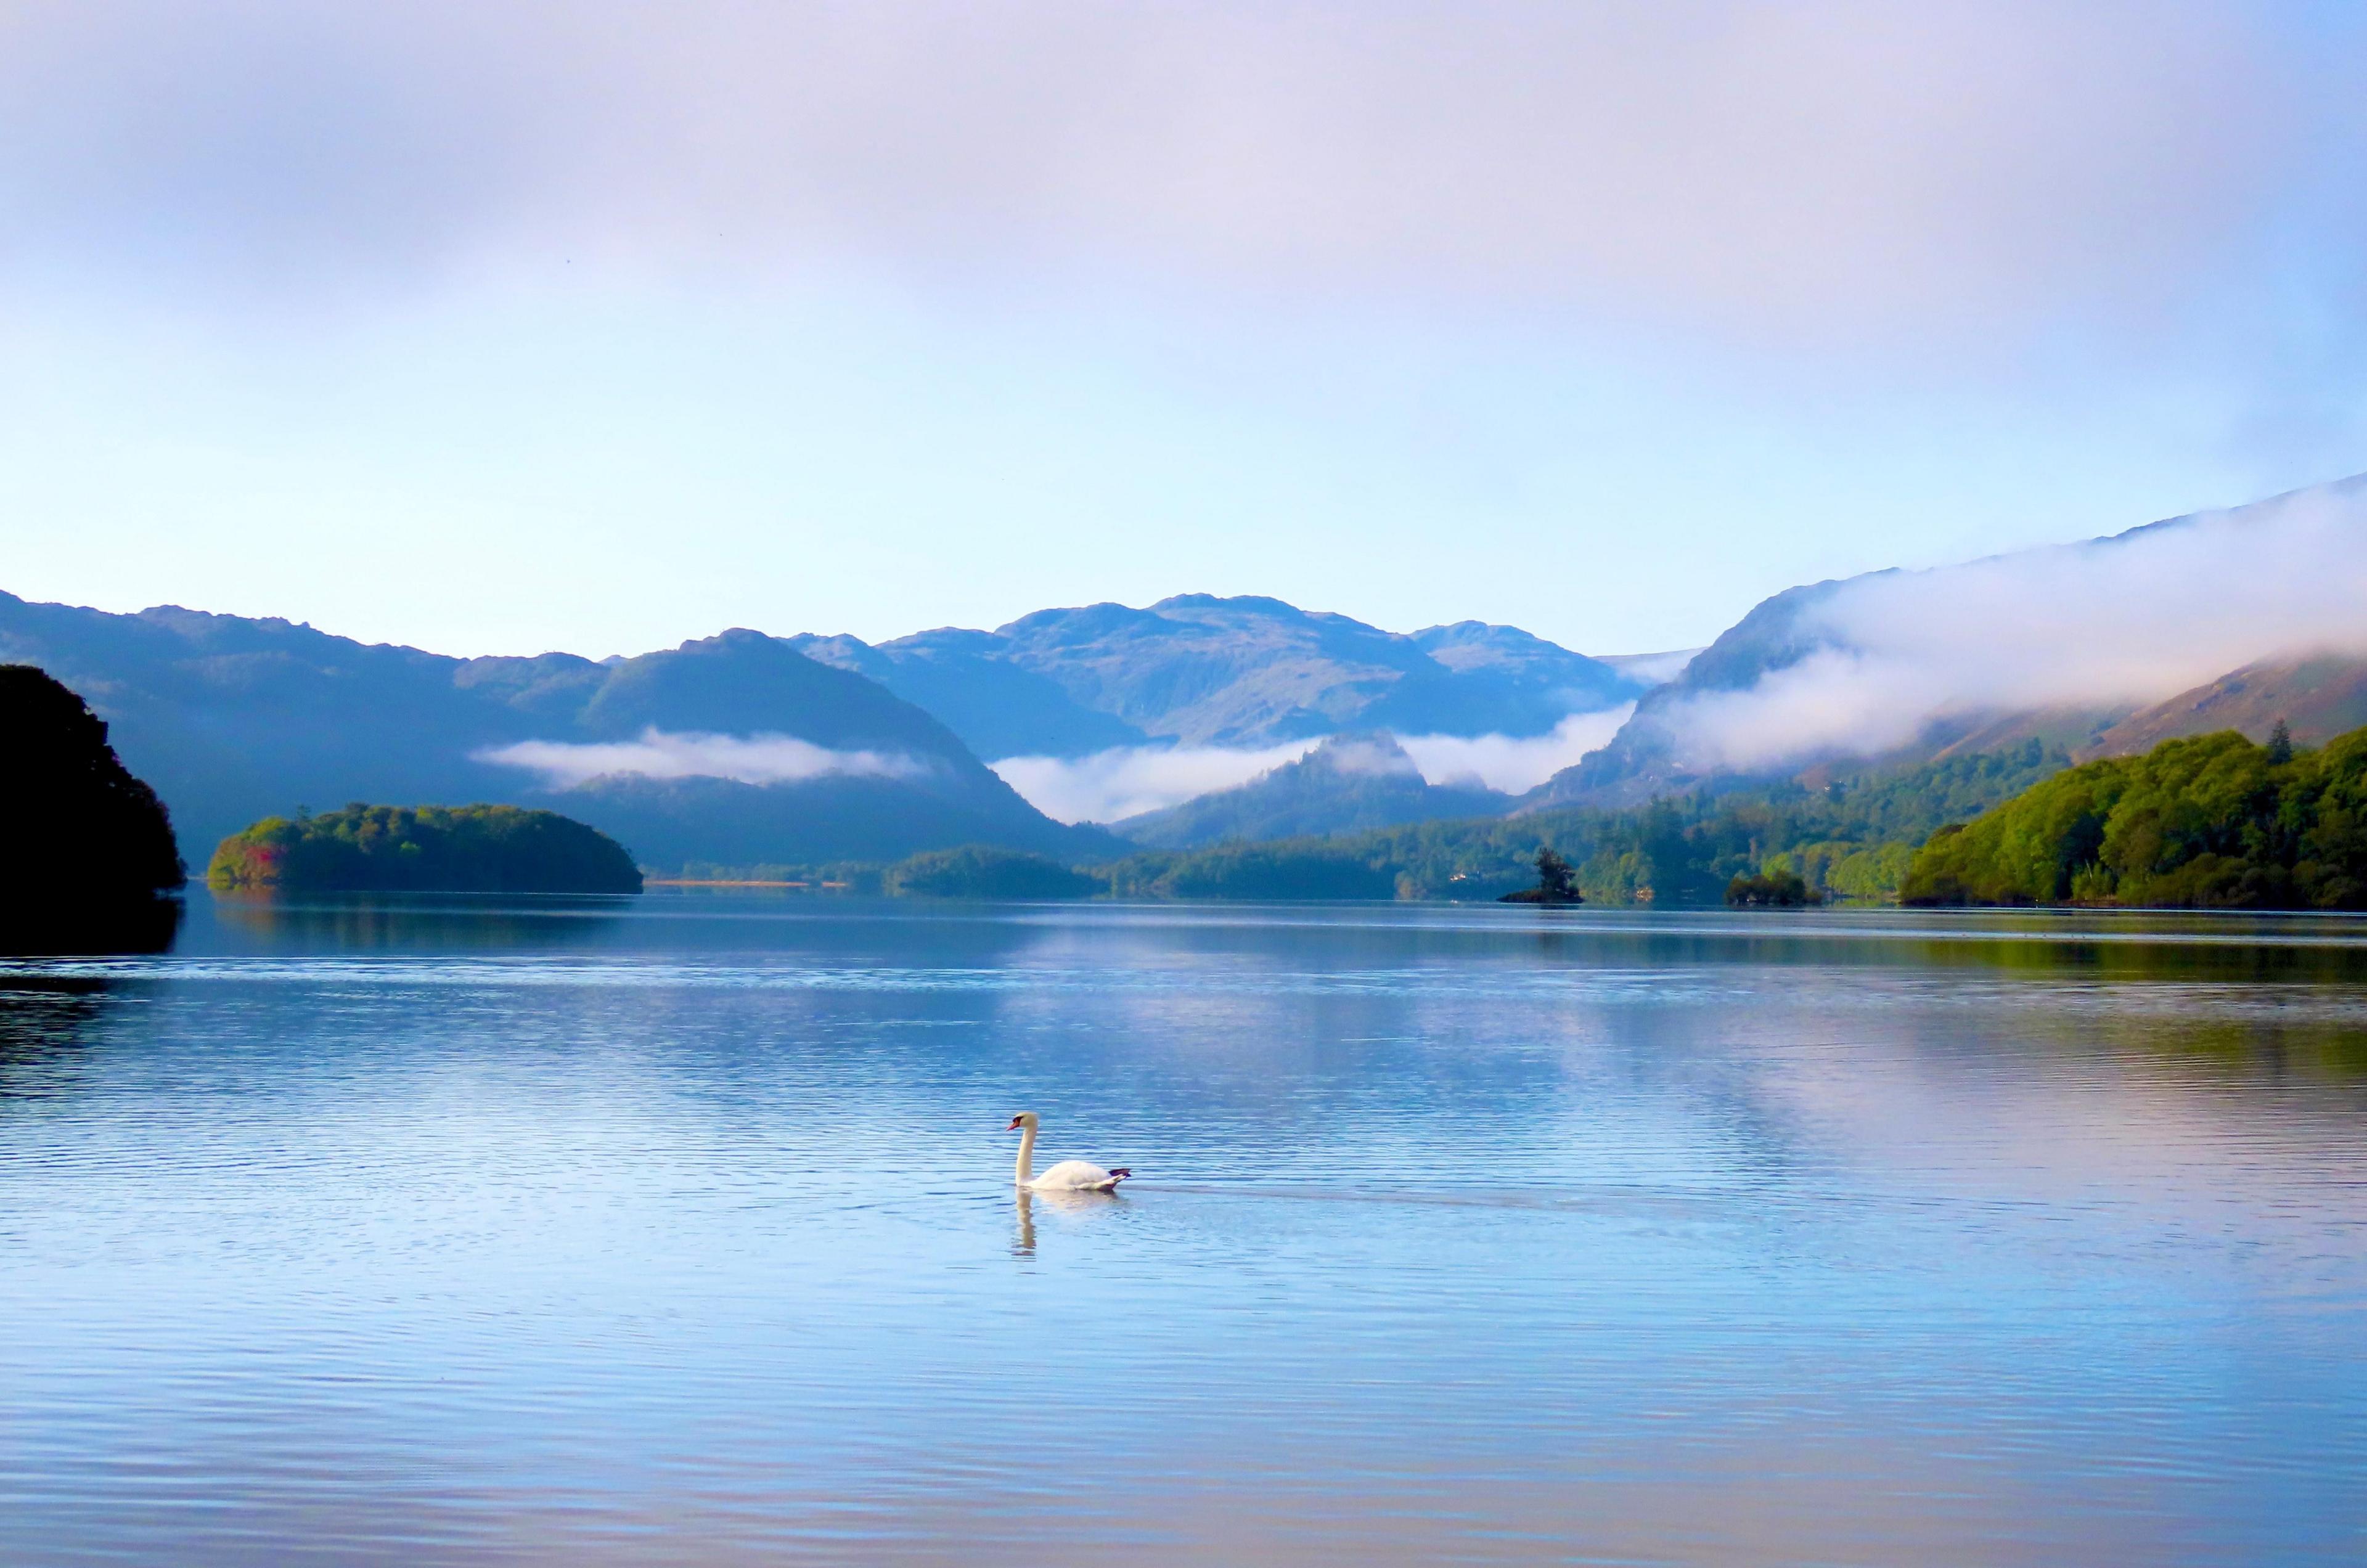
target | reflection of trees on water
x=38, y=928
x=416, y=922
x=42, y=1021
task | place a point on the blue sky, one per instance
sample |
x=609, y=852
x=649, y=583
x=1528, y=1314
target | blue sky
x=600, y=326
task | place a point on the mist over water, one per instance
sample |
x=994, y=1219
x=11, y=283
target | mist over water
x=680, y=1230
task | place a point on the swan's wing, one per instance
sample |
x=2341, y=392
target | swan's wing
x=1073, y=1173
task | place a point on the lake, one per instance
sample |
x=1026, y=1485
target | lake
x=680, y=1230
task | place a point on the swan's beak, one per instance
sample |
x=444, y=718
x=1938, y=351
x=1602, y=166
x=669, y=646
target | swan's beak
x=1015, y=1125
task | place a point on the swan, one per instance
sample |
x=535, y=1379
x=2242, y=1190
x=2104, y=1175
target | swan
x=1069, y=1175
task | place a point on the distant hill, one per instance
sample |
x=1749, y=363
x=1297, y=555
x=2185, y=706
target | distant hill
x=2319, y=698
x=1349, y=783
x=1648, y=757
x=234, y=719
x=1200, y=670
x=1668, y=746
x=966, y=681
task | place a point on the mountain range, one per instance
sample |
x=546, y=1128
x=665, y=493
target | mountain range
x=1198, y=670
x=232, y=719
x=746, y=749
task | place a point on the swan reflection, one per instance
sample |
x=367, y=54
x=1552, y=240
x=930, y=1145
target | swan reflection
x=1075, y=1205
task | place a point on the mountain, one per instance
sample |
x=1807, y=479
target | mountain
x=1648, y=757
x=966, y=681
x=2062, y=643
x=1198, y=670
x=1349, y=783
x=2318, y=698
x=233, y=719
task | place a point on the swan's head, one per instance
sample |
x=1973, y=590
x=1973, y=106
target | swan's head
x=1025, y=1119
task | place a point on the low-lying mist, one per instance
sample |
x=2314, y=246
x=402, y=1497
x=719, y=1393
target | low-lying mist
x=2120, y=622
x=1513, y=764
x=750, y=759
x=1126, y=781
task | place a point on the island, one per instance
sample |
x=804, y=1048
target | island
x=1557, y=884
x=423, y=849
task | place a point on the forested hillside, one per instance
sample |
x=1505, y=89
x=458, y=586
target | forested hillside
x=2211, y=822
x=1852, y=838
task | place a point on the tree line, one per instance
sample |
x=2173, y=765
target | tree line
x=2213, y=821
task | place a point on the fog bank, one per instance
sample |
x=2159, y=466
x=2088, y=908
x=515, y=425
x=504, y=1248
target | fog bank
x=752, y=759
x=2127, y=621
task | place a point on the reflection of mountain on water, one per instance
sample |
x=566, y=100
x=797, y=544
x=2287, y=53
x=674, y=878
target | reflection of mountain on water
x=41, y=927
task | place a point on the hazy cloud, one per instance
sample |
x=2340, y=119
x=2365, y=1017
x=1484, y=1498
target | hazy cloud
x=1820, y=167
x=2128, y=622
x=1126, y=781
x=1503, y=762
x=750, y=759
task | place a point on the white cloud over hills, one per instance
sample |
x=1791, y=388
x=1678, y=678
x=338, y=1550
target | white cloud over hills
x=2125, y=621
x=750, y=759
x=1126, y=781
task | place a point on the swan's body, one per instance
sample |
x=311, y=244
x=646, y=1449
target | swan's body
x=1069, y=1175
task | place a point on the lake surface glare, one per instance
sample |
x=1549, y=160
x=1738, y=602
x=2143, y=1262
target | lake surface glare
x=680, y=1231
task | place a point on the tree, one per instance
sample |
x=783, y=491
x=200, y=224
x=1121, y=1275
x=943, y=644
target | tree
x=1555, y=881
x=75, y=826
x=2281, y=744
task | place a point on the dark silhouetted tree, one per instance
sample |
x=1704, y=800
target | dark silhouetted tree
x=1554, y=880
x=76, y=826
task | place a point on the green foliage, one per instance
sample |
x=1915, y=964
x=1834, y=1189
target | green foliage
x=1852, y=838
x=462, y=849
x=1775, y=889
x=2207, y=822
x=981, y=871
x=1288, y=868
x=1557, y=884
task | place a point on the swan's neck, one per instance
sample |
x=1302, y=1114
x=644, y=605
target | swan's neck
x=1026, y=1168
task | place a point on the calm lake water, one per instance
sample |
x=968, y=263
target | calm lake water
x=680, y=1231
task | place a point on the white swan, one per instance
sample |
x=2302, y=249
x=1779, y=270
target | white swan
x=1069, y=1175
